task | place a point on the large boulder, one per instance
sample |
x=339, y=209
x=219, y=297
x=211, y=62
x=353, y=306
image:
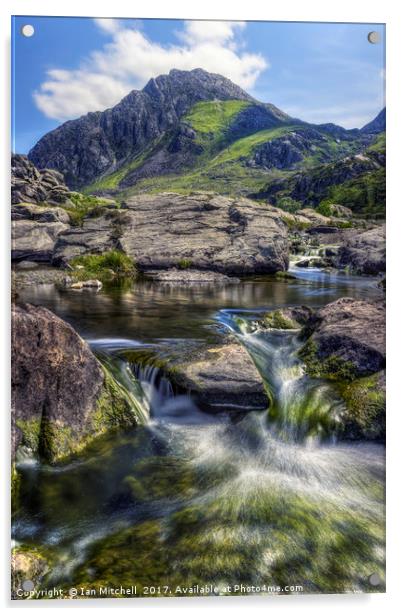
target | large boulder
x=364, y=253
x=61, y=396
x=202, y=231
x=346, y=339
x=31, y=185
x=34, y=240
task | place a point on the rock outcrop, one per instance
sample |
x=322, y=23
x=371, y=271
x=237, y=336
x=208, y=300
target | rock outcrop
x=201, y=231
x=61, y=396
x=34, y=230
x=347, y=337
x=364, y=253
x=31, y=185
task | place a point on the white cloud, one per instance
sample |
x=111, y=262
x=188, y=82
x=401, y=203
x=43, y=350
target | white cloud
x=130, y=59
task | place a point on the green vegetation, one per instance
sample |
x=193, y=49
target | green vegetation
x=85, y=205
x=379, y=144
x=364, y=194
x=213, y=117
x=106, y=265
x=278, y=320
x=184, y=264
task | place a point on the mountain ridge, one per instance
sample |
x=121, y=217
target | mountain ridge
x=194, y=130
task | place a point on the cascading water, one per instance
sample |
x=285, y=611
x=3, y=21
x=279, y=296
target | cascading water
x=300, y=406
x=191, y=498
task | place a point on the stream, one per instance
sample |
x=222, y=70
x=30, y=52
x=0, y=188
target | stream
x=191, y=498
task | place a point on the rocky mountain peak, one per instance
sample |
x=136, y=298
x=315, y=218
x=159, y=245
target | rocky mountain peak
x=377, y=125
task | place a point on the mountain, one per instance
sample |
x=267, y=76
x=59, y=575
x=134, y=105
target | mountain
x=375, y=126
x=101, y=142
x=194, y=130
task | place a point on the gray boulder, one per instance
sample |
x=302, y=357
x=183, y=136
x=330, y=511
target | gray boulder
x=61, y=396
x=201, y=231
x=364, y=253
x=346, y=339
x=34, y=241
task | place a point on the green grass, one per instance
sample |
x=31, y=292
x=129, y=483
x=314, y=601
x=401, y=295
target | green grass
x=378, y=145
x=244, y=147
x=214, y=116
x=113, y=262
x=84, y=205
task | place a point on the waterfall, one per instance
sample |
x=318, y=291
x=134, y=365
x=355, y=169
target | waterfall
x=300, y=407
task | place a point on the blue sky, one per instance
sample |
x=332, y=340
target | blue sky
x=70, y=66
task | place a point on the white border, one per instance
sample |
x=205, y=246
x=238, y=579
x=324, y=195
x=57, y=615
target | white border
x=387, y=11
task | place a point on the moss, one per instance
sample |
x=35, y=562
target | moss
x=30, y=429
x=365, y=404
x=15, y=488
x=114, y=407
x=332, y=367
x=277, y=320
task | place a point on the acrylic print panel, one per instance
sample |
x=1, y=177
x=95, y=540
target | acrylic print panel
x=198, y=308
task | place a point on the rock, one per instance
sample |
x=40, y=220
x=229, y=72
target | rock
x=340, y=211
x=27, y=563
x=25, y=211
x=346, y=339
x=293, y=317
x=314, y=217
x=30, y=185
x=26, y=265
x=364, y=252
x=286, y=151
x=377, y=125
x=220, y=378
x=322, y=229
x=202, y=231
x=75, y=285
x=92, y=284
x=191, y=276
x=34, y=241
x=62, y=397
x=364, y=414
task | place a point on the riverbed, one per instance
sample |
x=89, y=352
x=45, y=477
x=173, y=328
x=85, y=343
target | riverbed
x=192, y=498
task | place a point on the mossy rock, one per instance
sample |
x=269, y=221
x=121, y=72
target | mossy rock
x=365, y=408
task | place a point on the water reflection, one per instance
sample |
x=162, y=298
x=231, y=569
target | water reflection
x=150, y=311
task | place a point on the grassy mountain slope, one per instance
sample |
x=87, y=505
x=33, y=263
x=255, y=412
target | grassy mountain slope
x=214, y=157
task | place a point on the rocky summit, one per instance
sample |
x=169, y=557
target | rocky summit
x=200, y=231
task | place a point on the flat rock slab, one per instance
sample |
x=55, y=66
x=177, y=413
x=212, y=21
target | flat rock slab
x=220, y=377
x=34, y=241
x=202, y=231
x=191, y=277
